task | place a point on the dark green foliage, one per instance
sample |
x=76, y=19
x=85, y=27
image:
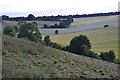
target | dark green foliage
x=47, y=40
x=21, y=23
x=56, y=31
x=106, y=25
x=31, y=17
x=45, y=25
x=57, y=46
x=16, y=29
x=63, y=24
x=80, y=45
x=29, y=31
x=10, y=30
x=108, y=56
x=92, y=54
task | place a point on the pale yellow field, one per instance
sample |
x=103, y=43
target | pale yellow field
x=104, y=39
x=78, y=21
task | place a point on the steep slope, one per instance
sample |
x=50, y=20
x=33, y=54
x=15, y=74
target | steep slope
x=26, y=59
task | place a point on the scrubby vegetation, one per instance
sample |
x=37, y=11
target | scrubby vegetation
x=26, y=59
x=79, y=45
x=10, y=30
x=63, y=23
x=26, y=30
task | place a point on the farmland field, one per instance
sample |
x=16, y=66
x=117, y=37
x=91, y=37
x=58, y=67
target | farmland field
x=104, y=39
x=83, y=24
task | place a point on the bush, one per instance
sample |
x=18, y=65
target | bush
x=108, y=56
x=106, y=25
x=92, y=54
x=80, y=45
x=56, y=31
x=10, y=30
x=29, y=31
x=47, y=40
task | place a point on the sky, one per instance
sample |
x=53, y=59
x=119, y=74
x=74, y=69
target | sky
x=56, y=7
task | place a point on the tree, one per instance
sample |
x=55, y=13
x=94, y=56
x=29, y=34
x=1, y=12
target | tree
x=16, y=28
x=30, y=31
x=47, y=40
x=106, y=25
x=10, y=30
x=4, y=17
x=31, y=17
x=45, y=26
x=108, y=56
x=80, y=45
x=56, y=31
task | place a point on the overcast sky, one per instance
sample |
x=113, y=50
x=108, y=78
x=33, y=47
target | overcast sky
x=75, y=6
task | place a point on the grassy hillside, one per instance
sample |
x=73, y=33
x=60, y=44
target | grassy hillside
x=104, y=39
x=25, y=59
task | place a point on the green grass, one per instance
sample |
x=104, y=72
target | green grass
x=104, y=39
x=26, y=59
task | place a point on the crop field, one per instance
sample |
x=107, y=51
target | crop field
x=40, y=23
x=104, y=39
x=83, y=24
x=79, y=21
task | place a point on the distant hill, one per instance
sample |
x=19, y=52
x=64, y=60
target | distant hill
x=26, y=59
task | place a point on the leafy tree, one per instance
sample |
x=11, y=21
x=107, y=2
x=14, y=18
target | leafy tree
x=106, y=25
x=108, y=56
x=16, y=29
x=30, y=31
x=31, y=17
x=4, y=17
x=47, y=40
x=10, y=30
x=80, y=45
x=56, y=31
x=45, y=26
x=21, y=23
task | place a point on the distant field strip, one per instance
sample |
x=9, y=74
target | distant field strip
x=78, y=21
x=101, y=39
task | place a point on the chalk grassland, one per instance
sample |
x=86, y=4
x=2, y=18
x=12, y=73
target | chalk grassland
x=25, y=59
x=104, y=39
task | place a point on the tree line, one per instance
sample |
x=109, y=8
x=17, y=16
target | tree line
x=63, y=23
x=79, y=45
x=31, y=17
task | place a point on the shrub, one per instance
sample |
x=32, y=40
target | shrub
x=10, y=30
x=29, y=31
x=56, y=31
x=80, y=45
x=108, y=56
x=47, y=40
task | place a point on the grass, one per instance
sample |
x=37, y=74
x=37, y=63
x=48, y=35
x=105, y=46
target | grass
x=78, y=21
x=26, y=59
x=104, y=39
